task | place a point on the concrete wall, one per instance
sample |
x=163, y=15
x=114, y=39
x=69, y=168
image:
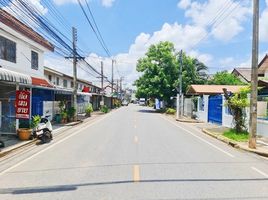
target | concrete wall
x=203, y=115
x=187, y=107
x=24, y=46
x=262, y=127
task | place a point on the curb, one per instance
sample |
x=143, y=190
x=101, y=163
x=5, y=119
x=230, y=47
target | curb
x=188, y=121
x=15, y=147
x=234, y=143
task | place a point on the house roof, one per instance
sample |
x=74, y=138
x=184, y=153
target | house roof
x=212, y=89
x=20, y=27
x=244, y=72
x=263, y=65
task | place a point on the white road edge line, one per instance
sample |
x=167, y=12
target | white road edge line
x=203, y=140
x=54, y=144
x=260, y=172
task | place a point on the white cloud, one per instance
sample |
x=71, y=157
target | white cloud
x=223, y=18
x=229, y=61
x=61, y=2
x=107, y=3
x=184, y=4
x=264, y=24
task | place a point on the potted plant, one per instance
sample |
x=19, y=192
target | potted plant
x=70, y=113
x=26, y=127
x=89, y=110
x=64, y=116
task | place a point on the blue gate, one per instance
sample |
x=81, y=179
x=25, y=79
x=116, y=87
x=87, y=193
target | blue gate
x=215, y=109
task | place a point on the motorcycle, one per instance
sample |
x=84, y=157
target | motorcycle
x=43, y=131
x=2, y=144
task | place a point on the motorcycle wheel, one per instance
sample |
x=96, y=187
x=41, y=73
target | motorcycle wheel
x=2, y=144
x=46, y=137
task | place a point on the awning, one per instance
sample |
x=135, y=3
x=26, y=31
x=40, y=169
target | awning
x=84, y=93
x=212, y=89
x=40, y=82
x=15, y=77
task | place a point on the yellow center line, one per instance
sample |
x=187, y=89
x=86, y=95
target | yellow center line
x=136, y=173
x=136, y=139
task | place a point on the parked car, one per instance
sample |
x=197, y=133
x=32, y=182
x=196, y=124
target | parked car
x=125, y=103
x=142, y=102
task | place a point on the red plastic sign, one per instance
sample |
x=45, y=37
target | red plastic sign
x=22, y=104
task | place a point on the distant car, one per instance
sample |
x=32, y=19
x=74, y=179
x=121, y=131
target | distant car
x=125, y=103
x=142, y=102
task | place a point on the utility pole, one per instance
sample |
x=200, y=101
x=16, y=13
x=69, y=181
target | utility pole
x=179, y=95
x=254, y=77
x=74, y=103
x=121, y=79
x=112, y=82
x=102, y=99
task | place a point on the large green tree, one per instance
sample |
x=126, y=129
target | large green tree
x=160, y=72
x=225, y=78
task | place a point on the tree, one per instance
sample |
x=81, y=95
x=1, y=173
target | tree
x=237, y=104
x=225, y=78
x=160, y=72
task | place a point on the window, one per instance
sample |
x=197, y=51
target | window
x=201, y=103
x=72, y=84
x=34, y=60
x=7, y=50
x=50, y=78
x=58, y=81
x=64, y=83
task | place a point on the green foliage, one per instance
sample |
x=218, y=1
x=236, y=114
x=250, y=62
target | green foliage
x=71, y=112
x=237, y=103
x=64, y=115
x=89, y=109
x=35, y=121
x=225, y=78
x=160, y=69
x=170, y=111
x=62, y=105
x=236, y=136
x=104, y=109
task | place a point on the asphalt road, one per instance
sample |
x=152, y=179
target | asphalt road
x=133, y=153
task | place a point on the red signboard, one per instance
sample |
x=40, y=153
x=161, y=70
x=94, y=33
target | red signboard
x=22, y=104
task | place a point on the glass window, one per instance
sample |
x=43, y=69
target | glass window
x=64, y=83
x=58, y=81
x=7, y=49
x=34, y=60
x=49, y=77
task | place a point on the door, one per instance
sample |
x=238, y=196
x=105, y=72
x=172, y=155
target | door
x=215, y=109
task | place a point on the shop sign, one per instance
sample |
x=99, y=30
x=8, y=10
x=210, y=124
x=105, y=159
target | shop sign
x=22, y=104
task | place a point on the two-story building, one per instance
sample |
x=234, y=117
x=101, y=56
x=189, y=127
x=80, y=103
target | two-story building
x=21, y=65
x=87, y=92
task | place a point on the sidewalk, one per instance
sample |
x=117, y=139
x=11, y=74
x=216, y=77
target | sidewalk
x=12, y=142
x=217, y=131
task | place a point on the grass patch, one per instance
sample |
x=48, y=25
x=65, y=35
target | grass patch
x=239, y=137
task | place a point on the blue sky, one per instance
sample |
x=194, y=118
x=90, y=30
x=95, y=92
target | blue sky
x=129, y=27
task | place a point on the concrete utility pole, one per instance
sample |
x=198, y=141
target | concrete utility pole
x=102, y=99
x=74, y=103
x=179, y=95
x=121, y=79
x=254, y=76
x=112, y=82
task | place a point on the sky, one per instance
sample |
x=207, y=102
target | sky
x=217, y=32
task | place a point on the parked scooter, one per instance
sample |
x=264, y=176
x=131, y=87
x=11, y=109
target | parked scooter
x=43, y=131
x=2, y=144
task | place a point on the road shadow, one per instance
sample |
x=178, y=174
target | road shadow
x=71, y=187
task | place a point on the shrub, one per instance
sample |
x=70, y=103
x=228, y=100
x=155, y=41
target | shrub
x=89, y=110
x=170, y=111
x=104, y=109
x=35, y=121
x=71, y=112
